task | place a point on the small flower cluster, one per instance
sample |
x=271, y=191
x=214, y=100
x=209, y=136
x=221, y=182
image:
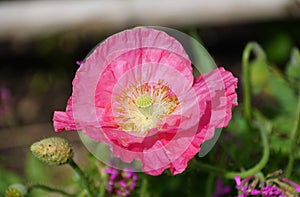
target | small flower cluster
x=120, y=182
x=270, y=187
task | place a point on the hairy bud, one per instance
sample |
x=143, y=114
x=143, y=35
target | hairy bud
x=52, y=151
x=16, y=190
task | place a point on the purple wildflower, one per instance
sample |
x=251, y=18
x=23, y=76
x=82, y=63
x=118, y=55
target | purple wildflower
x=120, y=182
x=220, y=188
x=272, y=186
x=255, y=192
x=246, y=186
x=295, y=185
x=270, y=191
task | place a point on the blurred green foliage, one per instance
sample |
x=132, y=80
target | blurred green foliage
x=277, y=101
x=278, y=47
x=7, y=178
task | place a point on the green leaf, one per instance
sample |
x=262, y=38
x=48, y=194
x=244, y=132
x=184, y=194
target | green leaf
x=282, y=92
x=277, y=101
x=282, y=102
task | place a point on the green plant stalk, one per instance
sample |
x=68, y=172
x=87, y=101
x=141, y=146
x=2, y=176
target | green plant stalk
x=103, y=178
x=82, y=176
x=259, y=54
x=49, y=189
x=209, y=185
x=252, y=171
x=144, y=187
x=294, y=137
x=102, y=186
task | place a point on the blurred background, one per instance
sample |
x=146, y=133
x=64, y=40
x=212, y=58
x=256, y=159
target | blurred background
x=40, y=42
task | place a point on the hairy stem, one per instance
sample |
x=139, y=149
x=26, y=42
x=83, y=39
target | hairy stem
x=209, y=185
x=82, y=176
x=252, y=171
x=259, y=54
x=144, y=187
x=102, y=185
x=294, y=137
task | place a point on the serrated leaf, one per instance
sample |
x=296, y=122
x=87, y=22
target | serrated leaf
x=282, y=145
x=280, y=94
x=282, y=100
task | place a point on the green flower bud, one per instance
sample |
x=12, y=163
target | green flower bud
x=52, y=151
x=16, y=190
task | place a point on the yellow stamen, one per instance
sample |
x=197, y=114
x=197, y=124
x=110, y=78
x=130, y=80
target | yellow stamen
x=144, y=106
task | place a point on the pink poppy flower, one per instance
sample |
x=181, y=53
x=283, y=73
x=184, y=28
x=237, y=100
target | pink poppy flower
x=136, y=93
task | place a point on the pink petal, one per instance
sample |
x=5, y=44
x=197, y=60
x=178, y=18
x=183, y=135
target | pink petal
x=217, y=88
x=89, y=99
x=64, y=120
x=146, y=66
x=237, y=180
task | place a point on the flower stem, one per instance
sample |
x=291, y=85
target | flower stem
x=82, y=177
x=252, y=171
x=49, y=189
x=294, y=137
x=209, y=184
x=144, y=187
x=102, y=186
x=259, y=53
x=103, y=178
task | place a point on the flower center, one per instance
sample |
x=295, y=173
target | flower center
x=142, y=107
x=144, y=103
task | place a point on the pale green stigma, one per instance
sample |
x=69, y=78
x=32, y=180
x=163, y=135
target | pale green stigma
x=144, y=103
